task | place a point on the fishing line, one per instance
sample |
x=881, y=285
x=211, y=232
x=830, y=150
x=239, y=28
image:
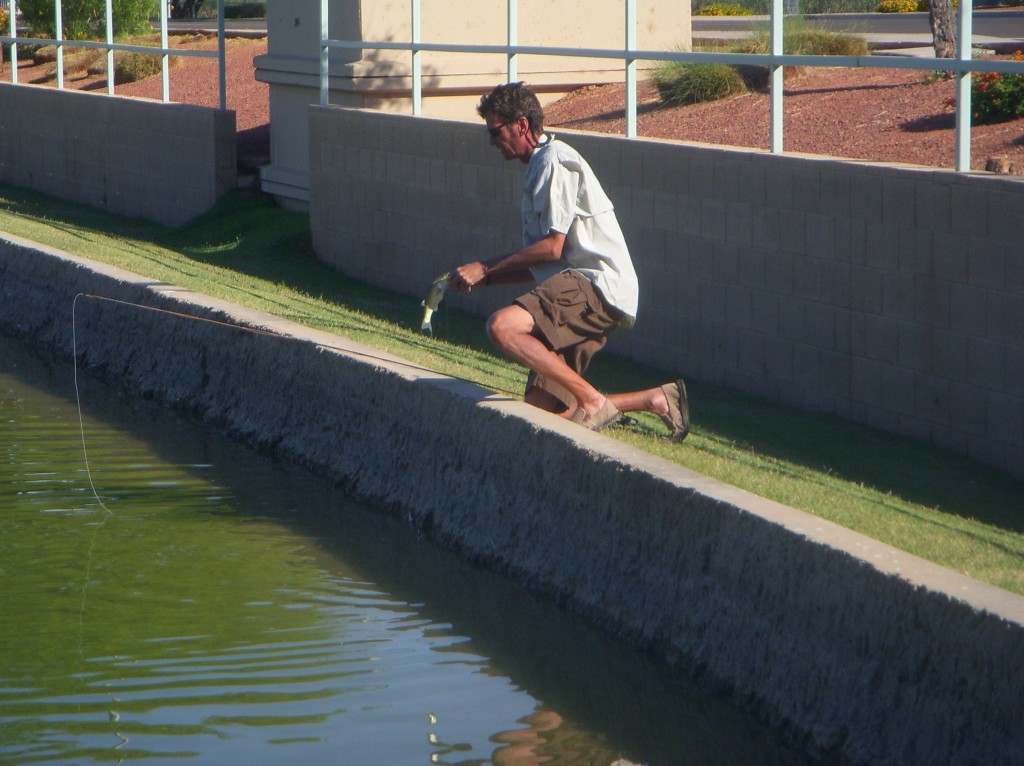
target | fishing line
x=81, y=419
x=244, y=328
x=271, y=333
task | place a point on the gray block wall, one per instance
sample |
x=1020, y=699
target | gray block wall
x=861, y=653
x=889, y=295
x=164, y=162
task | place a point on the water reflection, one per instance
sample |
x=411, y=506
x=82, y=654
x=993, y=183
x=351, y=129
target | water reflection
x=233, y=609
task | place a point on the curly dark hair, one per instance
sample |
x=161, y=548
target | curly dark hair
x=512, y=101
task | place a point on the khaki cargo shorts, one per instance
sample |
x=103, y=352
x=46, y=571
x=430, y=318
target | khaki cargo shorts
x=572, y=319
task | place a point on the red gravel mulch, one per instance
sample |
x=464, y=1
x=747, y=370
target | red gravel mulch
x=885, y=115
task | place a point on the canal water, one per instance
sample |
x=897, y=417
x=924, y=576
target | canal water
x=169, y=596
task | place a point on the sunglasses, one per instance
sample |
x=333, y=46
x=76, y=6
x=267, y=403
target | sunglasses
x=496, y=130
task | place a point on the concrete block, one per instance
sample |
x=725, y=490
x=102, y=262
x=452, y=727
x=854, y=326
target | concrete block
x=881, y=247
x=714, y=222
x=932, y=400
x=969, y=304
x=1005, y=318
x=739, y=307
x=835, y=192
x=898, y=391
x=933, y=205
x=880, y=340
x=914, y=346
x=987, y=267
x=970, y=210
x=819, y=325
x=865, y=380
x=986, y=363
x=1005, y=419
x=727, y=179
x=866, y=198
x=807, y=187
x=1005, y=211
x=898, y=292
x=751, y=181
x=898, y=206
x=949, y=355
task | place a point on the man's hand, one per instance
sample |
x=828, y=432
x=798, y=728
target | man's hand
x=467, y=276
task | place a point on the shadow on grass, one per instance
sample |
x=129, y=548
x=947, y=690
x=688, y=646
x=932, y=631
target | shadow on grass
x=247, y=234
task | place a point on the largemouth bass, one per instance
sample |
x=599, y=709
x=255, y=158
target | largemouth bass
x=432, y=301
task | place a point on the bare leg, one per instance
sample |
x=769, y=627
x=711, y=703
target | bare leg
x=511, y=328
x=649, y=400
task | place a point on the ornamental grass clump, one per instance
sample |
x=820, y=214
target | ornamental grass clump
x=682, y=83
x=806, y=41
x=997, y=97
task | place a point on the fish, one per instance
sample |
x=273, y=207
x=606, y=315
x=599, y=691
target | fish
x=433, y=300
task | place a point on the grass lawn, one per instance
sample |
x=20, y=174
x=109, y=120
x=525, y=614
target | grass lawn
x=938, y=505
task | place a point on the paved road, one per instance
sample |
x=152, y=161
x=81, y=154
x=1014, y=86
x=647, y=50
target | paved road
x=987, y=23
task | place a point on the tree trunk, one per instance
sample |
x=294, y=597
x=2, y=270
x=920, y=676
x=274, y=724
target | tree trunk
x=943, y=20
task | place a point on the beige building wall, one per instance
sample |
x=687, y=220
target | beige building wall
x=452, y=82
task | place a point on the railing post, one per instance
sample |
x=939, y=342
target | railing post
x=417, y=72
x=963, y=86
x=325, y=84
x=513, y=39
x=776, y=77
x=630, y=69
x=222, y=66
x=110, y=51
x=58, y=34
x=165, y=60
x=13, y=10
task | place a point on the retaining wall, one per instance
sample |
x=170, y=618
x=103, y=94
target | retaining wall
x=162, y=161
x=889, y=295
x=862, y=653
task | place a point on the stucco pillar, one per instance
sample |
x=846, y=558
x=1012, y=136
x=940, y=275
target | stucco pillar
x=452, y=82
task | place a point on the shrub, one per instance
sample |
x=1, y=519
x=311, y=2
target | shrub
x=997, y=97
x=245, y=11
x=897, y=6
x=4, y=22
x=85, y=19
x=687, y=83
x=806, y=42
x=131, y=66
x=723, y=9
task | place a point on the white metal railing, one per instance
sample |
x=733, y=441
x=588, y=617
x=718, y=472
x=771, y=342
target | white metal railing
x=110, y=46
x=962, y=66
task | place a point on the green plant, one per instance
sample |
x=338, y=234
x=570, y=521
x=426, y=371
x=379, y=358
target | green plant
x=86, y=19
x=805, y=41
x=688, y=83
x=723, y=9
x=131, y=66
x=997, y=97
x=897, y=6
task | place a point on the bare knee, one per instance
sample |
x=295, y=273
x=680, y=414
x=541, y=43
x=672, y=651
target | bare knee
x=504, y=325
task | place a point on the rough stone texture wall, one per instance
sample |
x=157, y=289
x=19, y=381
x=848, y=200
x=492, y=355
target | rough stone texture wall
x=860, y=652
x=893, y=296
x=164, y=162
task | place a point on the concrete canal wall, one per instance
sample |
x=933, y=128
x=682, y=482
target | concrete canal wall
x=863, y=654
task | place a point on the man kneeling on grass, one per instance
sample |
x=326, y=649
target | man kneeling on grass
x=574, y=249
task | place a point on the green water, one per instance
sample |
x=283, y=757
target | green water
x=209, y=605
